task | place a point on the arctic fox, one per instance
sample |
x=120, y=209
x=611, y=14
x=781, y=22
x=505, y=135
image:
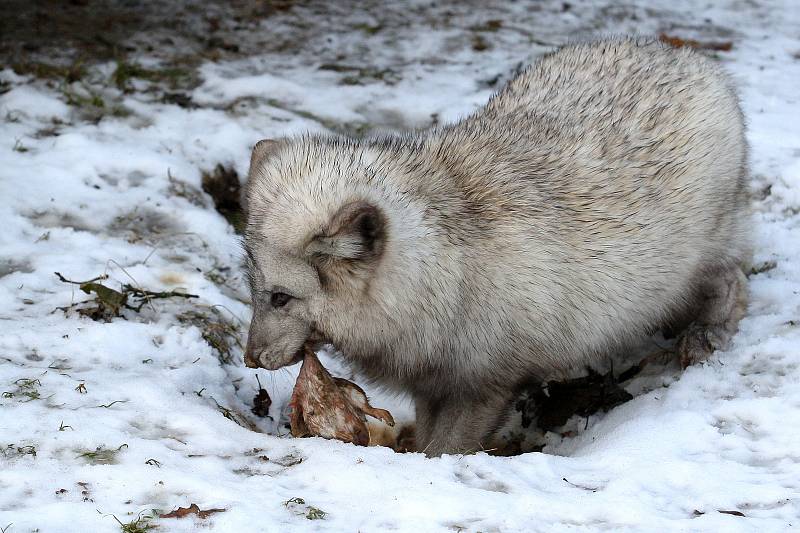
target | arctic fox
x=599, y=196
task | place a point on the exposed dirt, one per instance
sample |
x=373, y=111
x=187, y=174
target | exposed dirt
x=73, y=31
x=224, y=187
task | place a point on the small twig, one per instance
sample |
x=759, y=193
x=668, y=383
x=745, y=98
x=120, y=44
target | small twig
x=147, y=296
x=155, y=247
x=65, y=280
x=108, y=406
x=593, y=489
x=152, y=307
x=234, y=315
x=142, y=293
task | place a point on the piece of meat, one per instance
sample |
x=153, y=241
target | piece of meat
x=359, y=400
x=333, y=408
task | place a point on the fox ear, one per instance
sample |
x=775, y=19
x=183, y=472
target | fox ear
x=356, y=232
x=261, y=152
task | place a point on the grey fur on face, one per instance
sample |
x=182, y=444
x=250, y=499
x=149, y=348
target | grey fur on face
x=599, y=196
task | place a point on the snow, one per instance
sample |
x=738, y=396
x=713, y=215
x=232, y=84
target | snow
x=121, y=196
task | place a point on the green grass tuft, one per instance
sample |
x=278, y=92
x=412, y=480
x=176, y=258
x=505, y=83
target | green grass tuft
x=125, y=72
x=140, y=525
x=19, y=147
x=102, y=455
x=299, y=507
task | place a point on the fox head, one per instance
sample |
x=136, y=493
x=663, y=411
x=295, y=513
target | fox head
x=312, y=248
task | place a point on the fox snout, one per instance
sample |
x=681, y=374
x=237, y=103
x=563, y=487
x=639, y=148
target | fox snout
x=250, y=361
x=272, y=362
x=282, y=352
x=275, y=340
x=257, y=344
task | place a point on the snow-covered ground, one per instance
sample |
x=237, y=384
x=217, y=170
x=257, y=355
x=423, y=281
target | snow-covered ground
x=111, y=423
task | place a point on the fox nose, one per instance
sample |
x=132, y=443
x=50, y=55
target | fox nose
x=251, y=355
x=250, y=361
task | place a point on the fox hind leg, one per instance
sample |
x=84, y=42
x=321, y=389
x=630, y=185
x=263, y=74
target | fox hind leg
x=723, y=304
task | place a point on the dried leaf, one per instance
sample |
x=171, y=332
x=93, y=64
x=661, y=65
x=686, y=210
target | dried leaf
x=678, y=42
x=734, y=513
x=261, y=402
x=182, y=512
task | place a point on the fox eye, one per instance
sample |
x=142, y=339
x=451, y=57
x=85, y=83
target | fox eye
x=279, y=299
